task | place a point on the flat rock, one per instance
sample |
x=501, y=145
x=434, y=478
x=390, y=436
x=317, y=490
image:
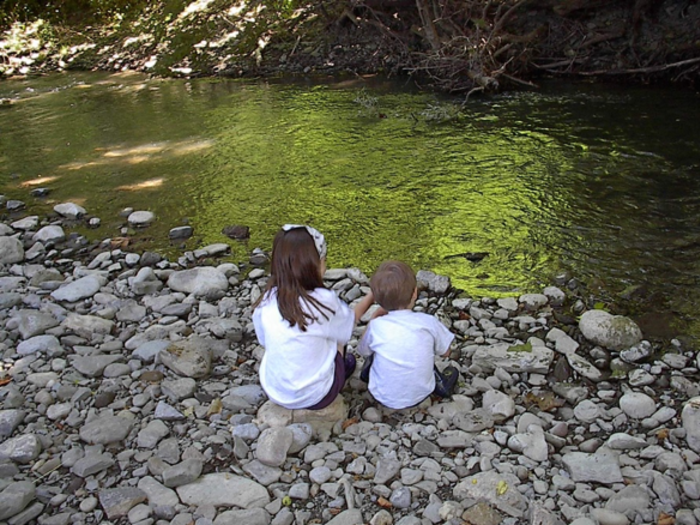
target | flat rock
x=21, y=449
x=533, y=359
x=79, y=289
x=15, y=497
x=119, y=501
x=201, y=281
x=224, y=490
x=499, y=490
x=190, y=357
x=106, y=429
x=601, y=467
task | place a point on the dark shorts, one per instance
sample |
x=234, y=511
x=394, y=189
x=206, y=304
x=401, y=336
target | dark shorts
x=336, y=387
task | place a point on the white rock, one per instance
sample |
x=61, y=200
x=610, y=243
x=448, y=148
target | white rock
x=70, y=210
x=614, y=332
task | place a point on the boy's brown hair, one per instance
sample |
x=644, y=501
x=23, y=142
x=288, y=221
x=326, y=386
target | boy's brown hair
x=393, y=284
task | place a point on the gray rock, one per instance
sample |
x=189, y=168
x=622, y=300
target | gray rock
x=499, y=490
x=11, y=250
x=536, y=359
x=15, y=497
x=50, y=233
x=92, y=365
x=387, y=469
x=690, y=416
x=631, y=497
x=70, y=210
x=87, y=325
x=273, y=445
x=92, y=463
x=27, y=515
x=201, y=281
x=42, y=344
x=145, y=282
x=33, y=322
x=614, y=332
x=106, y=429
x=602, y=467
x=224, y=490
x=158, y=495
x=609, y=517
x=21, y=449
x=245, y=516
x=637, y=405
x=119, y=501
x=347, y=517
x=181, y=232
x=438, y=284
x=179, y=389
x=152, y=434
x=80, y=289
x=183, y=473
x=190, y=357
x=9, y=421
x=140, y=219
x=167, y=412
x=148, y=351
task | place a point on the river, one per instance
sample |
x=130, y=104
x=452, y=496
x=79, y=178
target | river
x=501, y=193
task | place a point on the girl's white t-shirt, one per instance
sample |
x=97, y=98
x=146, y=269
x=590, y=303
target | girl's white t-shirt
x=404, y=344
x=297, y=368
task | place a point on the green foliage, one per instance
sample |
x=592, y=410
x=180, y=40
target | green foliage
x=527, y=347
x=65, y=11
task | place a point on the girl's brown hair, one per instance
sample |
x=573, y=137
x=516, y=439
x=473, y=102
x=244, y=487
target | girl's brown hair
x=296, y=271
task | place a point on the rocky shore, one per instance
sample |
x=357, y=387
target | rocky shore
x=129, y=394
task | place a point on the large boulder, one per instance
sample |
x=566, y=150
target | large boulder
x=202, y=281
x=614, y=332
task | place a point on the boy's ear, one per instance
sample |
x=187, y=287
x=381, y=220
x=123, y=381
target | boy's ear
x=415, y=294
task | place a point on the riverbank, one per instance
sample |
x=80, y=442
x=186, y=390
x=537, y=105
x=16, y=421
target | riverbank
x=486, y=48
x=129, y=392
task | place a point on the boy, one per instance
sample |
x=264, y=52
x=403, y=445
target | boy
x=399, y=344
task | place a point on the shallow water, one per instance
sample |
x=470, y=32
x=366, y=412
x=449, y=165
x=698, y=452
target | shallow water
x=603, y=182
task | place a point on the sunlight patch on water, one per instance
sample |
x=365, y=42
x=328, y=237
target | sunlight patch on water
x=145, y=185
x=38, y=182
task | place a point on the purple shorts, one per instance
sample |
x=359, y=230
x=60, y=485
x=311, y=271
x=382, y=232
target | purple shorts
x=336, y=387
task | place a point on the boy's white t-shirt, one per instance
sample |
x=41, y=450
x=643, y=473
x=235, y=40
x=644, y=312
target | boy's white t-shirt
x=404, y=344
x=298, y=367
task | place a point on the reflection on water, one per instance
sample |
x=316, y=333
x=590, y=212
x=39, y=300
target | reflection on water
x=600, y=182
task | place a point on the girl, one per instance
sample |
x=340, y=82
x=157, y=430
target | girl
x=303, y=325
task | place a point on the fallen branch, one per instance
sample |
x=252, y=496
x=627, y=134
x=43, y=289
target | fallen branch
x=651, y=69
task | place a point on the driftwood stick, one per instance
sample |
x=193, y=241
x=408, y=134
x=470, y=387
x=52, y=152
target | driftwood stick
x=651, y=69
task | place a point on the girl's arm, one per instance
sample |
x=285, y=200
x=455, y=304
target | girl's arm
x=362, y=307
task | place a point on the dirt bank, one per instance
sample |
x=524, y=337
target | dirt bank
x=460, y=47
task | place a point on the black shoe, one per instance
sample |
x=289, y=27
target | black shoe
x=445, y=381
x=364, y=373
x=350, y=365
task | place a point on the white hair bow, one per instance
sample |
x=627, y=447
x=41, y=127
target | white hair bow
x=317, y=236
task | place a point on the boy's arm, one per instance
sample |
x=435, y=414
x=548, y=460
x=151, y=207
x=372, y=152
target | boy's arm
x=362, y=307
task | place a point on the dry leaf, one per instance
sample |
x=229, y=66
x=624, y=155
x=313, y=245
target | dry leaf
x=5, y=381
x=349, y=422
x=665, y=519
x=119, y=242
x=662, y=434
x=546, y=401
x=384, y=503
x=215, y=407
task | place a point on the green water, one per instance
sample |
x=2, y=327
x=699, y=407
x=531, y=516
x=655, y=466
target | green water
x=600, y=182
